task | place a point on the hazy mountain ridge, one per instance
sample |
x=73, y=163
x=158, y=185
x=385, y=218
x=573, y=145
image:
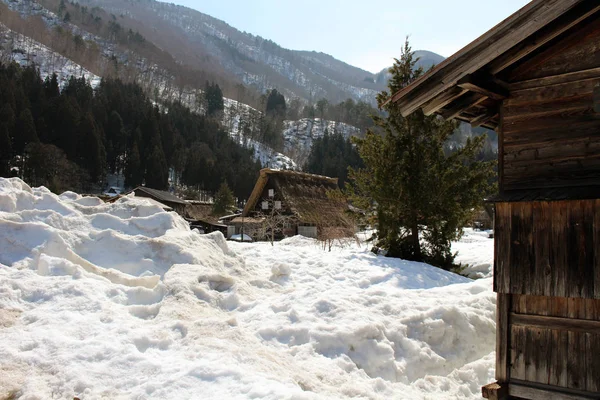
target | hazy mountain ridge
x=253, y=60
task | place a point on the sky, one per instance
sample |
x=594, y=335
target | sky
x=367, y=34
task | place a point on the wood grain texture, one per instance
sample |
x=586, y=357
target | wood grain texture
x=547, y=249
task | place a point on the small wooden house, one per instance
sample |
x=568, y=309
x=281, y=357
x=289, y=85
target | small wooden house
x=163, y=197
x=304, y=198
x=200, y=216
x=535, y=79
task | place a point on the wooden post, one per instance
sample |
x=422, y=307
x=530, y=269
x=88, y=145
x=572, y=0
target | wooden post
x=502, y=332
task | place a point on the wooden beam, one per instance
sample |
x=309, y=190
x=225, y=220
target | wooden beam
x=503, y=305
x=526, y=390
x=538, y=41
x=441, y=101
x=464, y=103
x=484, y=118
x=570, y=77
x=569, y=324
x=495, y=391
x=474, y=56
x=488, y=88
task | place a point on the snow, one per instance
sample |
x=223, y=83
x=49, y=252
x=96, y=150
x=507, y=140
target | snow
x=25, y=51
x=124, y=301
x=476, y=251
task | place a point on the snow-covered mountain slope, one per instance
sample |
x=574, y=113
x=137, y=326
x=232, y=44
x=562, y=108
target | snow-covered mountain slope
x=26, y=51
x=193, y=37
x=123, y=301
x=299, y=135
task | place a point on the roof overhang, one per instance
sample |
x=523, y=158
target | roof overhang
x=469, y=86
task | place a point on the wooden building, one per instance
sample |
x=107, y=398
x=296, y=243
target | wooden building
x=163, y=197
x=535, y=79
x=304, y=198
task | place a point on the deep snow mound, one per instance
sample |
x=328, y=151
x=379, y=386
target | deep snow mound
x=124, y=301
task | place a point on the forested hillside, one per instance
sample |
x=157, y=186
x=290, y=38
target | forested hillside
x=70, y=138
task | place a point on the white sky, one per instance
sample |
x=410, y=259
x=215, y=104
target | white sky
x=367, y=34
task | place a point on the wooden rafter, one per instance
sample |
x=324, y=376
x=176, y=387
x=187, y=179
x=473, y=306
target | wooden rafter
x=484, y=118
x=485, y=87
x=462, y=104
x=443, y=100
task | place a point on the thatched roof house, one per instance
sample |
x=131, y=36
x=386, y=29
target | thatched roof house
x=309, y=200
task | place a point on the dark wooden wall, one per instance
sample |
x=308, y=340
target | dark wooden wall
x=548, y=248
x=550, y=131
x=553, y=341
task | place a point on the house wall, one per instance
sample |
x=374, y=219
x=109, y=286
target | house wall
x=550, y=132
x=547, y=275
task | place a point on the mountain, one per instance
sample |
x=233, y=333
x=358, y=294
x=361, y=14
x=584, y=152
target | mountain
x=198, y=40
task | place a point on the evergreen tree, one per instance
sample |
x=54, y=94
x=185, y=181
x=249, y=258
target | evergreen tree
x=25, y=132
x=275, y=103
x=92, y=155
x=5, y=151
x=157, y=172
x=422, y=197
x=133, y=167
x=213, y=97
x=224, y=200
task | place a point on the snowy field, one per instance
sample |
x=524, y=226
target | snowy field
x=123, y=301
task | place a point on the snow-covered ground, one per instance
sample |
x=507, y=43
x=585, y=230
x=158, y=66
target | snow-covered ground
x=123, y=301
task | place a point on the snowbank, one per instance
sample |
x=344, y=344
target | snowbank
x=124, y=301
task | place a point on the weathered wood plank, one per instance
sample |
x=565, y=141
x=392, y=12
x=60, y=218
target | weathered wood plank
x=525, y=390
x=558, y=358
x=543, y=322
x=559, y=307
x=581, y=45
x=576, y=361
x=596, y=239
x=532, y=353
x=592, y=352
x=503, y=305
x=517, y=351
x=542, y=227
x=540, y=38
x=522, y=257
x=558, y=254
x=502, y=247
x=558, y=79
x=547, y=95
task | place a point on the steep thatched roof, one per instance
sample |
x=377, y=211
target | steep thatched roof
x=305, y=195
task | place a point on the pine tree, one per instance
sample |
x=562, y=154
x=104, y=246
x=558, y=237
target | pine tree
x=5, y=151
x=422, y=198
x=157, y=172
x=25, y=132
x=224, y=200
x=213, y=97
x=133, y=167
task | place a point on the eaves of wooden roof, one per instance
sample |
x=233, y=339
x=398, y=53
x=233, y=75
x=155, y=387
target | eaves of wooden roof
x=468, y=86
